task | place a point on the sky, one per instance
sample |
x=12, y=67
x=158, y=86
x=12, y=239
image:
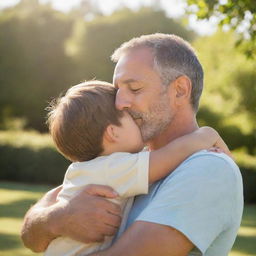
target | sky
x=173, y=8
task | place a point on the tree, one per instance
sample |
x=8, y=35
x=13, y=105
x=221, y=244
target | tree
x=240, y=15
x=33, y=66
x=229, y=98
x=98, y=39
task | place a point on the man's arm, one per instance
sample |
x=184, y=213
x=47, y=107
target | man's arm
x=149, y=239
x=87, y=217
x=35, y=222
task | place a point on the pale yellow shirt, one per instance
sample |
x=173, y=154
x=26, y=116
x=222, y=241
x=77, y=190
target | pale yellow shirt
x=125, y=172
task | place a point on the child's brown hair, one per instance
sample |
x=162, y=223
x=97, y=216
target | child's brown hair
x=77, y=120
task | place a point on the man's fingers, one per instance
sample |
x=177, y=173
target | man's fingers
x=108, y=218
x=113, y=220
x=101, y=190
x=110, y=207
x=109, y=230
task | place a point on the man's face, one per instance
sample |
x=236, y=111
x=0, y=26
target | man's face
x=141, y=93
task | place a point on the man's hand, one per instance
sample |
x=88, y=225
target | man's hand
x=87, y=217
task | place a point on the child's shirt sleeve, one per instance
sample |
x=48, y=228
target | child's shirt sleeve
x=128, y=173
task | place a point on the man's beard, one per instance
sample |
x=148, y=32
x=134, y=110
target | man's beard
x=155, y=120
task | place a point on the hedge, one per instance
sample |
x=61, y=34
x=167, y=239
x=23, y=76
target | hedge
x=31, y=157
x=247, y=164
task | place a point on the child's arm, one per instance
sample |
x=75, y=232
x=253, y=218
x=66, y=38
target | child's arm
x=167, y=158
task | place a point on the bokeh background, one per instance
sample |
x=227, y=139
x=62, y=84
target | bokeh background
x=49, y=45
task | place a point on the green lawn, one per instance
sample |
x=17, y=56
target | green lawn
x=15, y=199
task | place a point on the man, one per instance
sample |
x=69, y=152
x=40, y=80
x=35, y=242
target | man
x=197, y=209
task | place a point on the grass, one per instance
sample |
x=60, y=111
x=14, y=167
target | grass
x=245, y=244
x=16, y=198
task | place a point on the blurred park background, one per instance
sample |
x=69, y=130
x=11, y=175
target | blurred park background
x=48, y=46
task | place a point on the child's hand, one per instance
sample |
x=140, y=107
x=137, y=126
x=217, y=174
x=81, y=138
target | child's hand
x=223, y=147
x=218, y=145
x=216, y=150
x=220, y=150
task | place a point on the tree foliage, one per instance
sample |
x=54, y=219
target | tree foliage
x=229, y=99
x=98, y=39
x=33, y=65
x=239, y=15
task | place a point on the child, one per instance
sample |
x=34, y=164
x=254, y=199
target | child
x=88, y=130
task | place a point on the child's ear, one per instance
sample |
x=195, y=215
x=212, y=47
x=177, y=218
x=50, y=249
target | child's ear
x=110, y=133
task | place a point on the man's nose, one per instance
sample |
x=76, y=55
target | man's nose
x=123, y=101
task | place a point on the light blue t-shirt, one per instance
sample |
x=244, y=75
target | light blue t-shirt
x=202, y=198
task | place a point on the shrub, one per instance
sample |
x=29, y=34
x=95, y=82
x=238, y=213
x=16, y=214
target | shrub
x=30, y=157
x=247, y=164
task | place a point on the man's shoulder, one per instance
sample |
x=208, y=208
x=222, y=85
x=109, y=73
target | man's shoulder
x=205, y=176
x=206, y=156
x=205, y=164
x=211, y=160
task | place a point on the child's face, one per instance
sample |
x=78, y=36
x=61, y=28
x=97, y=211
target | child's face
x=129, y=134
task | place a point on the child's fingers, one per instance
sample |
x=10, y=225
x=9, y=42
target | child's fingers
x=220, y=150
x=216, y=149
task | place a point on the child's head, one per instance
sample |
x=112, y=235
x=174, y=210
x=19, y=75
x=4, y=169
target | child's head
x=79, y=120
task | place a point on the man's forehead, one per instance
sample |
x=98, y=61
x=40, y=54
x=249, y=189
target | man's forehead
x=132, y=65
x=125, y=75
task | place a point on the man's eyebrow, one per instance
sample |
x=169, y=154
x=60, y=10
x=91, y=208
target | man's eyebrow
x=129, y=81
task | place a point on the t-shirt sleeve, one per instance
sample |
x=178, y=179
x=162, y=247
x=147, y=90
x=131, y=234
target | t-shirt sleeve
x=128, y=173
x=197, y=199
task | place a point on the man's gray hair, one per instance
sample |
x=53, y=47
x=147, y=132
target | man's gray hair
x=173, y=57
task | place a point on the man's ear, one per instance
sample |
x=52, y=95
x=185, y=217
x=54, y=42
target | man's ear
x=110, y=133
x=182, y=87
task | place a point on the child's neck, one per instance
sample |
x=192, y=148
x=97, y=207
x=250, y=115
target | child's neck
x=110, y=148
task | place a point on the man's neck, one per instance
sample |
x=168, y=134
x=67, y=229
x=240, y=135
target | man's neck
x=177, y=129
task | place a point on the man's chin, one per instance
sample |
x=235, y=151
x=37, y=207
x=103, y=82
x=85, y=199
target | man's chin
x=148, y=135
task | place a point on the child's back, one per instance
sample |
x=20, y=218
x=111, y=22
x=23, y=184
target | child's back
x=78, y=123
x=126, y=173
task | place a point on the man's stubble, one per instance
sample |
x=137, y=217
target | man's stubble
x=156, y=120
